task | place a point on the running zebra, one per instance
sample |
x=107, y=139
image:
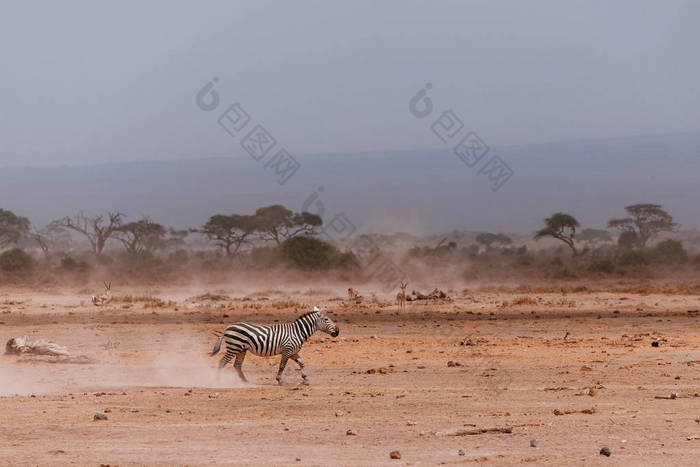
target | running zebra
x=267, y=341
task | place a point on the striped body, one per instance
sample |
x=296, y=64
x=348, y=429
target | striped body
x=284, y=339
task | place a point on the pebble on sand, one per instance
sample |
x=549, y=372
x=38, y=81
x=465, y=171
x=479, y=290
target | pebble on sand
x=605, y=452
x=395, y=455
x=100, y=416
x=533, y=443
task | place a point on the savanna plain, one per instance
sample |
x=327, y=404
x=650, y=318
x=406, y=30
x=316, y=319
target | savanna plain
x=486, y=375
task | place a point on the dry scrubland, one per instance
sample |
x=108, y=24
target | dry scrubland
x=390, y=382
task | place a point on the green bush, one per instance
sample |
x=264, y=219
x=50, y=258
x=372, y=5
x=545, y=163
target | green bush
x=668, y=252
x=605, y=266
x=311, y=253
x=524, y=260
x=632, y=258
x=15, y=260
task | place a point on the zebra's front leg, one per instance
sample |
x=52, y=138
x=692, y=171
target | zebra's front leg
x=286, y=353
x=297, y=359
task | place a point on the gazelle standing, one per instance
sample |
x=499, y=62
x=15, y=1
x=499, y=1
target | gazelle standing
x=353, y=294
x=401, y=297
x=103, y=298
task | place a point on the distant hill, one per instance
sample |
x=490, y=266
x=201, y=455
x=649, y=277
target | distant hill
x=417, y=192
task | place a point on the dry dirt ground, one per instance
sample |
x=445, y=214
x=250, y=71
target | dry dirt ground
x=383, y=385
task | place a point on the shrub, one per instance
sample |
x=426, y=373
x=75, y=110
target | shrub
x=69, y=264
x=627, y=241
x=668, y=252
x=605, y=266
x=15, y=260
x=632, y=258
x=309, y=253
x=348, y=261
x=178, y=257
x=524, y=260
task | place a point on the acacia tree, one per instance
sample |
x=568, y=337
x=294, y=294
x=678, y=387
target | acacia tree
x=96, y=229
x=645, y=221
x=561, y=226
x=47, y=237
x=139, y=237
x=229, y=232
x=277, y=223
x=12, y=228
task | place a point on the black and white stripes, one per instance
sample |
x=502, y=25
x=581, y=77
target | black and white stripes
x=285, y=339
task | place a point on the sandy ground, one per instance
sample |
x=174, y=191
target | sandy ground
x=383, y=385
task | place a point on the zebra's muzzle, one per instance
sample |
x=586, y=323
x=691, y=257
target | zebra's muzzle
x=336, y=332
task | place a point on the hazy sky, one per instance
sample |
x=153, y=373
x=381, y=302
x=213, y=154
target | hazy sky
x=92, y=82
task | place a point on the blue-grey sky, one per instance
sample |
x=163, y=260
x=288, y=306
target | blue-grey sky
x=93, y=82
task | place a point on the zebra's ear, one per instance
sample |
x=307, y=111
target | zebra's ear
x=316, y=308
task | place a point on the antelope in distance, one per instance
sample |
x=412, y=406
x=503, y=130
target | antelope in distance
x=401, y=297
x=353, y=294
x=103, y=298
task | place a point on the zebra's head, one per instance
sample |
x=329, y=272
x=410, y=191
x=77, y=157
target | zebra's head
x=325, y=324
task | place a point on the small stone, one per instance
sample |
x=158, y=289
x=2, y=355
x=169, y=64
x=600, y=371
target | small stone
x=655, y=344
x=395, y=455
x=410, y=423
x=533, y=443
x=100, y=416
x=605, y=452
x=298, y=459
x=351, y=433
x=461, y=452
x=339, y=413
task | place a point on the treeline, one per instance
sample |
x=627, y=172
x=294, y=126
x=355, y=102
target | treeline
x=271, y=232
x=582, y=251
x=274, y=235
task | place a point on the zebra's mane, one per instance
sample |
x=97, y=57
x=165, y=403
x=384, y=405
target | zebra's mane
x=307, y=314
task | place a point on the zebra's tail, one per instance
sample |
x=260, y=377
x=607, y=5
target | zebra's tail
x=217, y=346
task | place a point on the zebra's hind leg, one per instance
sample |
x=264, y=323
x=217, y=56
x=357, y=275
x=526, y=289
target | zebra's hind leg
x=238, y=365
x=299, y=362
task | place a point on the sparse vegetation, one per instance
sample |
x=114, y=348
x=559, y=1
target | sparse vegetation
x=15, y=260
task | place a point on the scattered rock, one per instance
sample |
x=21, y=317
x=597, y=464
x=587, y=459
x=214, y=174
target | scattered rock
x=100, y=416
x=533, y=443
x=381, y=371
x=653, y=344
x=452, y=363
x=339, y=413
x=461, y=452
x=467, y=341
x=351, y=433
x=395, y=455
x=605, y=452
